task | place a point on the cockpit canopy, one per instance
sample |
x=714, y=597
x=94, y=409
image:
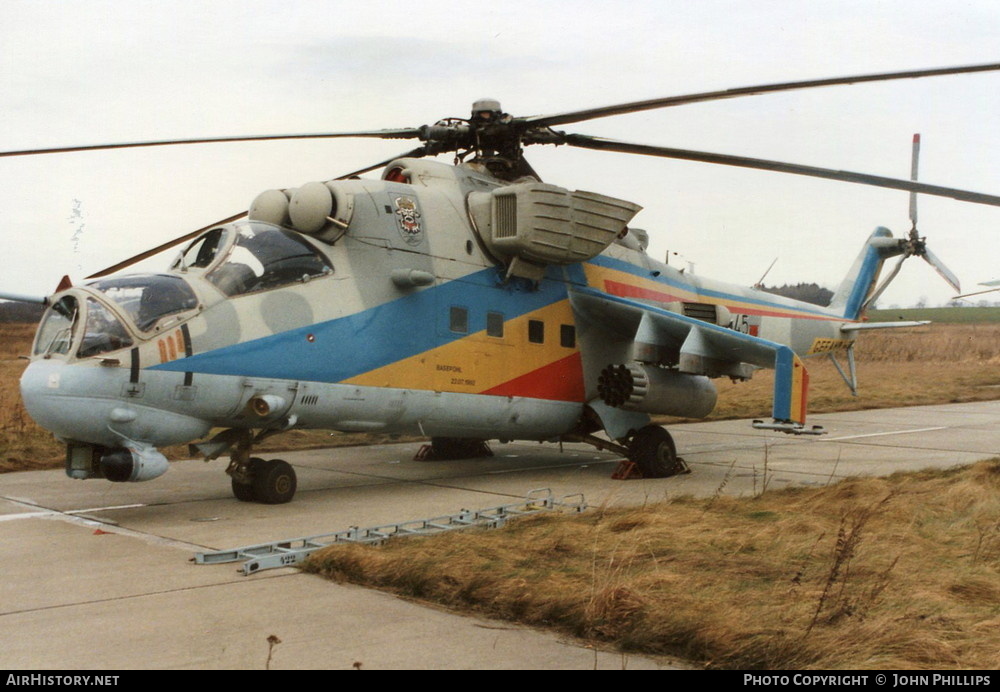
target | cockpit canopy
x=148, y=297
x=239, y=259
x=145, y=298
x=102, y=330
x=257, y=257
x=55, y=331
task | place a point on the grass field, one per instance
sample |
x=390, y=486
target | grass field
x=962, y=315
x=937, y=363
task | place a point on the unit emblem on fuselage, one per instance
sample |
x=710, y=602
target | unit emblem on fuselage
x=408, y=218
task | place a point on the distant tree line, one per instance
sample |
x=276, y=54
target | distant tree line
x=810, y=293
x=20, y=312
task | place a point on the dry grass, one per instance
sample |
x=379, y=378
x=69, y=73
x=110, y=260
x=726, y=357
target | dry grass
x=23, y=445
x=893, y=573
x=939, y=363
x=929, y=365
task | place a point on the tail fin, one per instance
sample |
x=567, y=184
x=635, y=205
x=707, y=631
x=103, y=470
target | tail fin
x=860, y=281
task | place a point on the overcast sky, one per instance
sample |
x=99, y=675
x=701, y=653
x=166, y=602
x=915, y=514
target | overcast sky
x=74, y=73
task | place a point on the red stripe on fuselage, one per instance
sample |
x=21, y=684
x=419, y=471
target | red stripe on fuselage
x=558, y=381
x=617, y=288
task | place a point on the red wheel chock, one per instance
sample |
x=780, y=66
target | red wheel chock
x=626, y=470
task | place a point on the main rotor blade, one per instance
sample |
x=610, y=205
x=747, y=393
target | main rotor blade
x=977, y=293
x=650, y=104
x=404, y=133
x=601, y=144
x=165, y=246
x=415, y=153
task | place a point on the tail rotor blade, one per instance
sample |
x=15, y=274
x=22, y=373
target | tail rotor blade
x=877, y=293
x=913, y=176
x=941, y=269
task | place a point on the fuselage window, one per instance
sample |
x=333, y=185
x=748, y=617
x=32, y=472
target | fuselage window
x=567, y=335
x=458, y=320
x=265, y=257
x=494, y=324
x=536, y=331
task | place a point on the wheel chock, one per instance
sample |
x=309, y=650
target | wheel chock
x=626, y=470
x=427, y=453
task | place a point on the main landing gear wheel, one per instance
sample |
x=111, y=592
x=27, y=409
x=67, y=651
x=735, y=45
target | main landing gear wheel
x=272, y=482
x=652, y=449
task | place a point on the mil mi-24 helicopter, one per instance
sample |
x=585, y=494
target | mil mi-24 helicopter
x=465, y=302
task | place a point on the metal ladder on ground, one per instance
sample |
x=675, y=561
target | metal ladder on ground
x=292, y=551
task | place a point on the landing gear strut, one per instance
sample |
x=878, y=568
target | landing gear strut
x=271, y=482
x=650, y=450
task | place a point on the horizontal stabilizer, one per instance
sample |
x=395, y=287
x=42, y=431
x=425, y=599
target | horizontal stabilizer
x=898, y=324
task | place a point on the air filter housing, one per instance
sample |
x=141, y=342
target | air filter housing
x=532, y=225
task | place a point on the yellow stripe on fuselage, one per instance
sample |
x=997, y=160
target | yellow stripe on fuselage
x=477, y=362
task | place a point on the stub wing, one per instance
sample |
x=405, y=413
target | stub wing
x=698, y=347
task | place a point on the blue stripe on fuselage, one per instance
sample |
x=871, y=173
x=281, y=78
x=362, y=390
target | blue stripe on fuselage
x=349, y=346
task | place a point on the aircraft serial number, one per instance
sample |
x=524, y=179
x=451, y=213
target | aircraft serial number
x=826, y=345
x=463, y=381
x=739, y=323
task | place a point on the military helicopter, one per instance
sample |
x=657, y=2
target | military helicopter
x=464, y=302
